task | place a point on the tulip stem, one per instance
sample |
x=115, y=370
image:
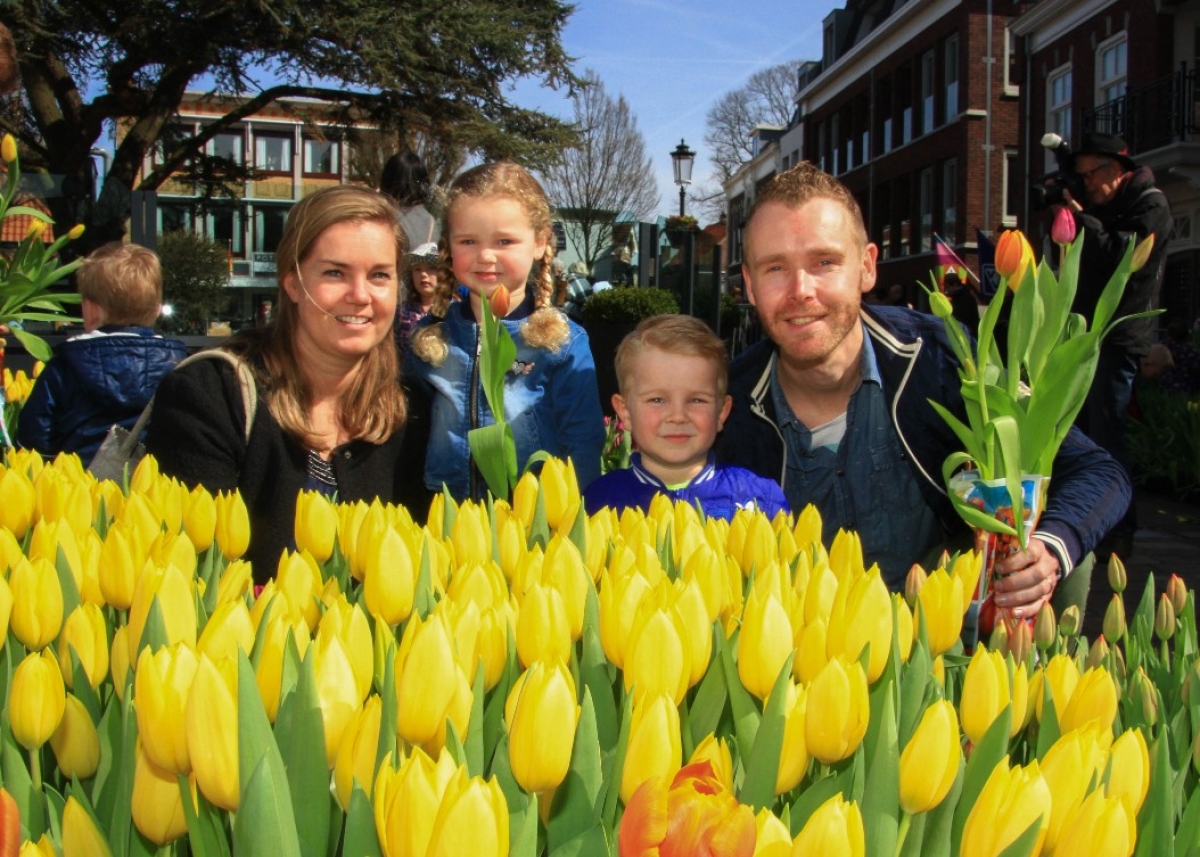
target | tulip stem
x=35, y=768
x=905, y=824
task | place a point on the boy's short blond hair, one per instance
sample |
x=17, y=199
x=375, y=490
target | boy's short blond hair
x=125, y=281
x=682, y=335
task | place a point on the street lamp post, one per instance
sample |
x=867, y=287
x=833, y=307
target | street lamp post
x=682, y=160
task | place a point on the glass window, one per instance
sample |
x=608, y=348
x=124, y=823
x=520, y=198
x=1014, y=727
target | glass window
x=225, y=227
x=1011, y=72
x=172, y=134
x=1111, y=69
x=951, y=75
x=273, y=153
x=927, y=115
x=836, y=141
x=950, y=200
x=1058, y=107
x=173, y=218
x=228, y=145
x=925, y=238
x=321, y=157
x=1012, y=187
x=268, y=228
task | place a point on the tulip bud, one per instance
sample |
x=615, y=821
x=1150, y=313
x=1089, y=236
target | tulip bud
x=836, y=827
x=424, y=665
x=998, y=640
x=75, y=742
x=211, y=726
x=1063, y=230
x=1164, y=618
x=8, y=148
x=1146, y=695
x=940, y=305
x=356, y=756
x=36, y=699
x=1094, y=700
x=233, y=524
x=76, y=232
x=930, y=761
x=86, y=633
x=157, y=805
x=1013, y=257
x=541, y=713
x=912, y=584
x=35, y=230
x=1177, y=591
x=1070, y=621
x=1141, y=253
x=839, y=693
x=1011, y=801
x=1117, y=578
x=80, y=835
x=37, y=612
x=1130, y=762
x=1114, y=618
x=1045, y=628
x=654, y=743
x=10, y=819
x=1020, y=642
x=498, y=300
x=1098, y=653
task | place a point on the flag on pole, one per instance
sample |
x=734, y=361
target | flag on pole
x=947, y=261
x=989, y=280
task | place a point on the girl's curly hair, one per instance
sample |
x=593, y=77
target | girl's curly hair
x=547, y=326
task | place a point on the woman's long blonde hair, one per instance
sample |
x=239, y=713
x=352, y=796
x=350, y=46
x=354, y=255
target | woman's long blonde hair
x=373, y=407
x=546, y=326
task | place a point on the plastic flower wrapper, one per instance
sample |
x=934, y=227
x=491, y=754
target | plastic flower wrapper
x=1019, y=408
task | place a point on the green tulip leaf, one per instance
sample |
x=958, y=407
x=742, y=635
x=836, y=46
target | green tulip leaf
x=916, y=678
x=539, y=527
x=1023, y=845
x=593, y=670
x=615, y=767
x=17, y=781
x=494, y=452
x=937, y=834
x=70, y=592
x=104, y=782
x=388, y=712
x=449, y=512
x=577, y=808
x=811, y=798
x=121, y=832
x=762, y=759
x=361, y=838
x=1188, y=831
x=82, y=686
x=708, y=704
x=1156, y=820
x=522, y=807
x=494, y=728
x=206, y=834
x=745, y=712
x=473, y=744
x=300, y=736
x=881, y=793
x=986, y=755
x=423, y=600
x=265, y=822
x=1048, y=728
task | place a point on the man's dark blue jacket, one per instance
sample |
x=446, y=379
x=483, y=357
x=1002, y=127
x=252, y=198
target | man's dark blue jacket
x=1089, y=491
x=92, y=383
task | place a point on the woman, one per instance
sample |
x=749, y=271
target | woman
x=331, y=416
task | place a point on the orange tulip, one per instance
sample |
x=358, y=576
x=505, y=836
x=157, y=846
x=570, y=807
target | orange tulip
x=1013, y=257
x=694, y=815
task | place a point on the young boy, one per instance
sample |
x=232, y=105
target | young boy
x=672, y=373
x=109, y=372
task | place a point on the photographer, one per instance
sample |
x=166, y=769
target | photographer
x=1120, y=200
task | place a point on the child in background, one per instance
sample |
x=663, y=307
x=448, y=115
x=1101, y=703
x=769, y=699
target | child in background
x=672, y=372
x=108, y=373
x=498, y=233
x=421, y=276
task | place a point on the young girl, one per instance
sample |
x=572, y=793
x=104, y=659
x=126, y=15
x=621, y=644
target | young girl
x=497, y=230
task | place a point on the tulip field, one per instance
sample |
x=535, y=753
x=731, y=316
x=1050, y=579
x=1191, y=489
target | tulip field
x=523, y=679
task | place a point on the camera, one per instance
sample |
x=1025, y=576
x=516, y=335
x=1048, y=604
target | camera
x=1049, y=189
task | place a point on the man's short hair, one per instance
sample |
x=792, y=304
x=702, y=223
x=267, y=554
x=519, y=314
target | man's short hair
x=803, y=182
x=681, y=335
x=124, y=280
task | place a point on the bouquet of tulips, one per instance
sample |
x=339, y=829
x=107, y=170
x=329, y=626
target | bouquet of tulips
x=523, y=679
x=15, y=388
x=1020, y=409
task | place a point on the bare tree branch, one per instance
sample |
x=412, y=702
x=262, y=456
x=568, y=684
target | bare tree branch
x=765, y=99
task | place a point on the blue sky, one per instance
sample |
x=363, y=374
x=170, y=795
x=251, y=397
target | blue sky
x=672, y=59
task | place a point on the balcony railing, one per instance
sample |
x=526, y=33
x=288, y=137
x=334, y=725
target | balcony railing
x=1155, y=115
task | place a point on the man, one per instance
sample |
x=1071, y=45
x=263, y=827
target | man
x=835, y=404
x=1121, y=201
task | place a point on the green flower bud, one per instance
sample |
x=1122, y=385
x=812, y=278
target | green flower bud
x=1114, y=618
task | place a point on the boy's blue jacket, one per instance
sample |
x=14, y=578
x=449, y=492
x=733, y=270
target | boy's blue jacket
x=1089, y=490
x=719, y=489
x=91, y=383
x=550, y=400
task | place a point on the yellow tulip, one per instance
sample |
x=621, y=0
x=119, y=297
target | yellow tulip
x=470, y=534
x=227, y=631
x=811, y=650
x=37, y=612
x=316, y=525
x=985, y=694
x=1062, y=675
x=563, y=568
x=793, y=757
x=235, y=581
x=86, y=633
x=658, y=657
x=8, y=148
x=1093, y=701
x=10, y=550
x=161, y=687
x=16, y=512
x=337, y=692
x=838, y=711
x=559, y=492
x=941, y=601
x=75, y=742
x=406, y=802
x=930, y=761
x=119, y=660
x=1012, y=800
x=1130, y=778
x=299, y=581
x=389, y=579
x=861, y=616
x=42, y=848
x=543, y=628
x=716, y=752
x=176, y=600
x=80, y=835
x=772, y=839
x=654, y=743
x=157, y=805
x=348, y=623
x=424, y=664
x=36, y=699
x=200, y=518
x=620, y=595
x=1101, y=826
x=1069, y=767
x=269, y=673
x=524, y=503
x=765, y=642
x=233, y=524
x=471, y=819
x=835, y=829
x=116, y=568
x=355, y=761
x=541, y=714
x=211, y=725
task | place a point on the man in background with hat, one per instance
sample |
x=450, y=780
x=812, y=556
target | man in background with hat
x=1121, y=200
